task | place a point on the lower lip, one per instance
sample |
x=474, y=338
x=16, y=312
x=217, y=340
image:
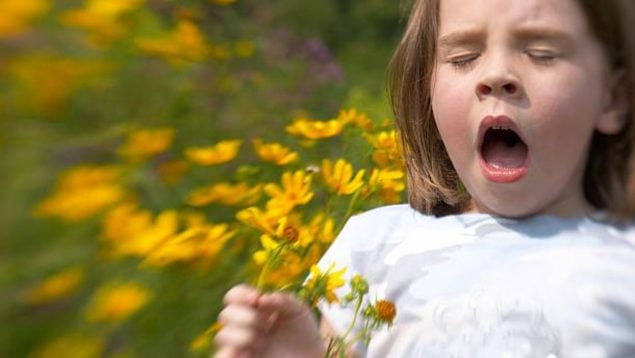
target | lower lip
x=502, y=175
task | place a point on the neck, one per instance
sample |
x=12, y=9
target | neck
x=571, y=208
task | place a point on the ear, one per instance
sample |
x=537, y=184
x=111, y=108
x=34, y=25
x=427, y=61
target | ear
x=616, y=106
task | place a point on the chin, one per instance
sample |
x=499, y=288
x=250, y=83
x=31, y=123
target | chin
x=517, y=214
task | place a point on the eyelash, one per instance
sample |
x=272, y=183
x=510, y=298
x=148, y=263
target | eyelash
x=463, y=62
x=542, y=57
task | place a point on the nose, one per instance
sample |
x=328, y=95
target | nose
x=498, y=80
x=509, y=88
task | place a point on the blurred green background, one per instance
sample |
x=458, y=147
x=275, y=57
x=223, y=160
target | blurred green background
x=77, y=78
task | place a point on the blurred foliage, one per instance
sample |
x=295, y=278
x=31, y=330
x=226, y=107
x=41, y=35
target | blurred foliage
x=156, y=152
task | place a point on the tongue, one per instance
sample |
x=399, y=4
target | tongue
x=501, y=155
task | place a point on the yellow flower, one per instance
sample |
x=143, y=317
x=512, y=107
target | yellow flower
x=361, y=120
x=16, y=16
x=102, y=19
x=321, y=228
x=257, y=219
x=58, y=286
x=47, y=82
x=222, y=152
x=311, y=129
x=285, y=234
x=295, y=189
x=269, y=245
x=89, y=175
x=386, y=149
x=204, y=339
x=263, y=220
x=274, y=152
x=125, y=221
x=76, y=345
x=201, y=242
x=389, y=183
x=291, y=269
x=225, y=194
x=319, y=231
x=186, y=43
x=111, y=9
x=130, y=231
x=339, y=178
x=115, y=302
x=287, y=231
x=82, y=192
x=279, y=207
x=145, y=143
x=323, y=285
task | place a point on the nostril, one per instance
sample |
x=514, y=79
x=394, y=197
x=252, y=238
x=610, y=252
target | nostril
x=484, y=89
x=510, y=88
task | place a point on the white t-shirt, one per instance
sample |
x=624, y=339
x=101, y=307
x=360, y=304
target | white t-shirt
x=477, y=285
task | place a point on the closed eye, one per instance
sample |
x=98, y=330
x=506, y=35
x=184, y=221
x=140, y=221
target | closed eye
x=463, y=61
x=541, y=56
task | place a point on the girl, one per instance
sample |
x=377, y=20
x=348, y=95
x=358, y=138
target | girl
x=517, y=124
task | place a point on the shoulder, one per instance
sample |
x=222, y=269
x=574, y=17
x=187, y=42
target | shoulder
x=372, y=228
x=625, y=231
x=386, y=214
x=611, y=232
x=366, y=235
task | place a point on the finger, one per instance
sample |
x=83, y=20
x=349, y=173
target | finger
x=241, y=295
x=232, y=353
x=238, y=338
x=243, y=316
x=281, y=304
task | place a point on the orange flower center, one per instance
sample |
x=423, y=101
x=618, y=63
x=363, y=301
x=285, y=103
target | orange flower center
x=385, y=310
x=290, y=233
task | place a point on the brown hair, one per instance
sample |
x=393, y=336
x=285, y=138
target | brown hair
x=433, y=184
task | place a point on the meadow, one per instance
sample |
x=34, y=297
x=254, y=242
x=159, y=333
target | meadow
x=155, y=153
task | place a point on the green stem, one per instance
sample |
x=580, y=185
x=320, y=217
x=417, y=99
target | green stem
x=349, y=210
x=265, y=268
x=261, y=278
x=358, y=307
x=363, y=333
x=329, y=203
x=329, y=348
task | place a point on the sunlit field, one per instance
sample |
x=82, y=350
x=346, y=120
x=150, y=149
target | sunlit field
x=154, y=153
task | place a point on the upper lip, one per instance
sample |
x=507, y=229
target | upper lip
x=492, y=121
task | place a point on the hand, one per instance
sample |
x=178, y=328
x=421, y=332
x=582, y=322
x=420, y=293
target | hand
x=275, y=325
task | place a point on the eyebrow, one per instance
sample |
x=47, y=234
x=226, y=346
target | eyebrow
x=463, y=37
x=542, y=33
x=460, y=37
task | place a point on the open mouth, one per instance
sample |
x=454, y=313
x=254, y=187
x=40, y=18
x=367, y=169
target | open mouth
x=504, y=154
x=503, y=148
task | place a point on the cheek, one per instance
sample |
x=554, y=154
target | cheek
x=449, y=92
x=450, y=106
x=569, y=106
x=564, y=116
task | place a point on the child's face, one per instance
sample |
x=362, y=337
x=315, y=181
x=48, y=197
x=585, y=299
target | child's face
x=518, y=90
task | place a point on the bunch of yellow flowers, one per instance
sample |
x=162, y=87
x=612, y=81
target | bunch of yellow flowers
x=272, y=211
